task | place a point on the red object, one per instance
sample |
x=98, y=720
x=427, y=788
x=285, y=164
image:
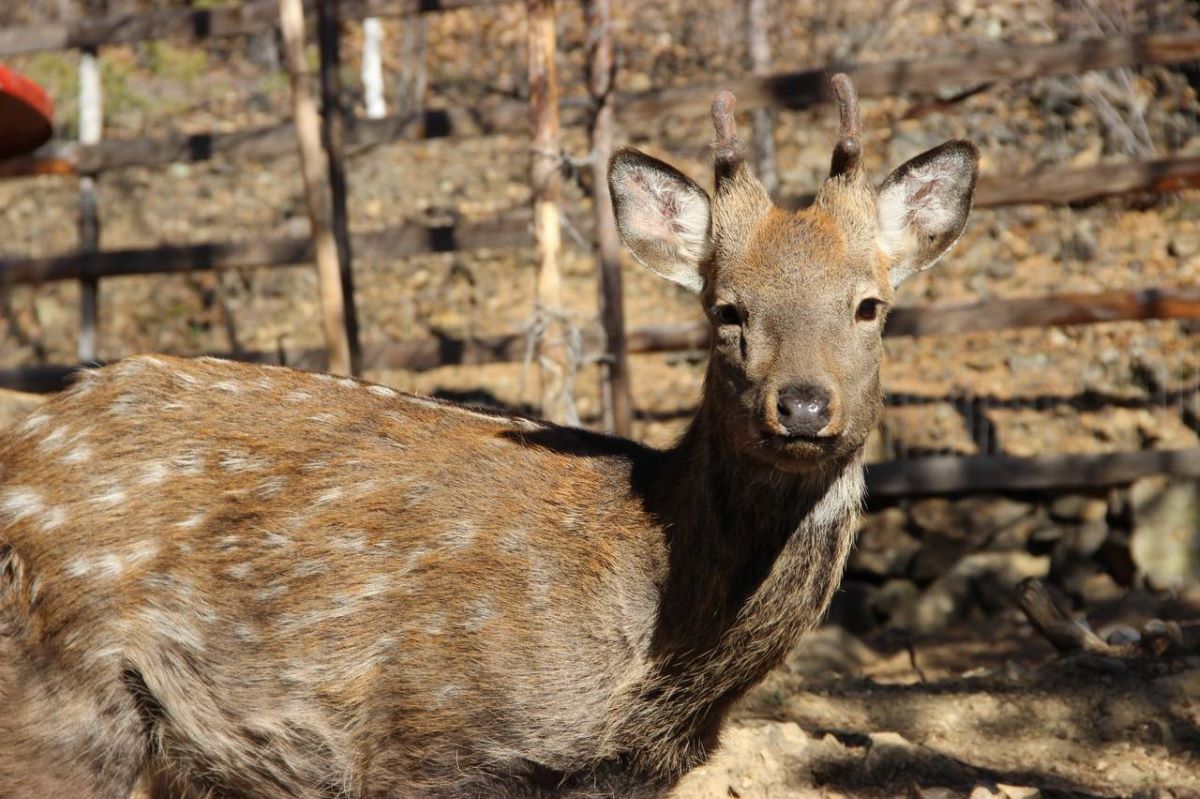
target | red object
x=26, y=114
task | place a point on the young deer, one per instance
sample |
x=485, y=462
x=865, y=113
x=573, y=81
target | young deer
x=249, y=581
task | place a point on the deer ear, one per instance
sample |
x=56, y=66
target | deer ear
x=923, y=207
x=663, y=216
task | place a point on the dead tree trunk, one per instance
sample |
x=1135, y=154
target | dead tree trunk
x=91, y=126
x=618, y=404
x=332, y=138
x=550, y=322
x=758, y=24
x=317, y=192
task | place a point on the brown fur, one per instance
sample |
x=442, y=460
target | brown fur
x=249, y=581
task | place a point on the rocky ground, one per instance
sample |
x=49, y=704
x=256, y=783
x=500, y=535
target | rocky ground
x=928, y=681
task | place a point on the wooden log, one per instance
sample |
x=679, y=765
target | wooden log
x=313, y=166
x=546, y=178
x=332, y=139
x=618, y=400
x=962, y=474
x=758, y=45
x=197, y=24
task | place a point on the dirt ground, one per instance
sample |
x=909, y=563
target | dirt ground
x=982, y=708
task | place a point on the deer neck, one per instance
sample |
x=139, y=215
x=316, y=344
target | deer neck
x=755, y=554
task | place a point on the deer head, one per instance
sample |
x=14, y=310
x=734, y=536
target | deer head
x=796, y=300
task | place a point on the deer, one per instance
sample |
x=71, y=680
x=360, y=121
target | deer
x=237, y=580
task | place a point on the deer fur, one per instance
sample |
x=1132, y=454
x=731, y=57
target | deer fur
x=247, y=581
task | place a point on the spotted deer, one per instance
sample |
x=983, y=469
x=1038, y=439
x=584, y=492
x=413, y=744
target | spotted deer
x=245, y=581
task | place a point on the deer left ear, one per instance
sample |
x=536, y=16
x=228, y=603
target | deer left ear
x=923, y=207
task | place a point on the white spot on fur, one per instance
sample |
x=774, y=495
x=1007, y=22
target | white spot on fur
x=237, y=461
x=153, y=473
x=52, y=440
x=228, y=386
x=424, y=402
x=115, y=495
x=187, y=379
x=274, y=539
x=239, y=571
x=384, y=391
x=193, y=521
x=32, y=423
x=322, y=418
x=271, y=486
x=298, y=396
x=515, y=541
x=328, y=496
x=479, y=614
x=125, y=404
x=346, y=382
x=459, y=534
x=53, y=517
x=188, y=463
x=80, y=453
x=19, y=502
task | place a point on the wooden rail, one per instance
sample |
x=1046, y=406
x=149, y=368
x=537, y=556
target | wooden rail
x=987, y=316
x=976, y=474
x=786, y=90
x=511, y=229
x=196, y=24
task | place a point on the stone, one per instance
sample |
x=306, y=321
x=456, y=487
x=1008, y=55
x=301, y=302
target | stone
x=894, y=597
x=1165, y=544
x=1078, y=508
x=884, y=547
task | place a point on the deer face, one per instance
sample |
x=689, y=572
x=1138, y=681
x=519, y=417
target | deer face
x=797, y=300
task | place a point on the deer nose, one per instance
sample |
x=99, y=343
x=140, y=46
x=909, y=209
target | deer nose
x=803, y=409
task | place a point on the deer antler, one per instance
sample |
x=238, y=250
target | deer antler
x=847, y=153
x=727, y=150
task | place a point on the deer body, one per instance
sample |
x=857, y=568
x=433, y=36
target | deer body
x=255, y=582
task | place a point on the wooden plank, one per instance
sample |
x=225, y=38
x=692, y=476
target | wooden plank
x=314, y=165
x=974, y=474
x=618, y=399
x=197, y=24
x=1050, y=311
x=1069, y=186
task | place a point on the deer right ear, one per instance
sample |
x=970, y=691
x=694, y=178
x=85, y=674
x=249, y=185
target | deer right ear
x=664, y=218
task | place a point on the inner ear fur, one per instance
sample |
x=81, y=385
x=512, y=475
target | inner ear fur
x=923, y=207
x=663, y=216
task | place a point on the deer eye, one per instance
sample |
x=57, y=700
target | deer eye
x=867, y=310
x=726, y=314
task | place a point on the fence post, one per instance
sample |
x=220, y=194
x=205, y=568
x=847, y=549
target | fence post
x=317, y=193
x=546, y=176
x=618, y=404
x=91, y=126
x=372, y=68
x=332, y=138
x=758, y=43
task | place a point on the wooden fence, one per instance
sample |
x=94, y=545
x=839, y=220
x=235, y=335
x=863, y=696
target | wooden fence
x=967, y=73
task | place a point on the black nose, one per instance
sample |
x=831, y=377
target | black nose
x=803, y=409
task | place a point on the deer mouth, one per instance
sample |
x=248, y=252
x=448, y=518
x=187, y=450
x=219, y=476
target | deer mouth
x=792, y=440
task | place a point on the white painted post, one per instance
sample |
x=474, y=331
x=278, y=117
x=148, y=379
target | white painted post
x=91, y=126
x=372, y=68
